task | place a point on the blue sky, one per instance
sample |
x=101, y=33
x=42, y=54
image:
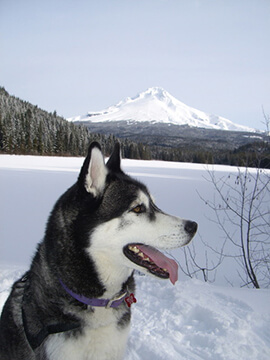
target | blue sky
x=78, y=56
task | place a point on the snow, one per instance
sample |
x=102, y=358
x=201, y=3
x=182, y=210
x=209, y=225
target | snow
x=194, y=320
x=158, y=106
x=189, y=321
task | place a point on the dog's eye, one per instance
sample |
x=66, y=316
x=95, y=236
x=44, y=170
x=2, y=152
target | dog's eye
x=139, y=209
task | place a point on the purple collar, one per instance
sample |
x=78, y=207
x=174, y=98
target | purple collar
x=108, y=303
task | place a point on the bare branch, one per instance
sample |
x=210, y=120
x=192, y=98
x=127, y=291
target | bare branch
x=242, y=212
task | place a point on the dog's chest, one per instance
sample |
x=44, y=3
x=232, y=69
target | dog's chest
x=101, y=339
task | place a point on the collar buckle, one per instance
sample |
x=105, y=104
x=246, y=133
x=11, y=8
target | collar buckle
x=115, y=300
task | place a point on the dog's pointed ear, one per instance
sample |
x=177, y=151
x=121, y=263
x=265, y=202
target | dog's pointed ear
x=114, y=162
x=93, y=172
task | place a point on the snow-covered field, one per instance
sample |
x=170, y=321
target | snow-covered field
x=191, y=320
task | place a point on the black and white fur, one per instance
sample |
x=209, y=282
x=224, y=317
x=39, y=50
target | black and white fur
x=88, y=228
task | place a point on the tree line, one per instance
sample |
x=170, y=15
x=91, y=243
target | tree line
x=27, y=129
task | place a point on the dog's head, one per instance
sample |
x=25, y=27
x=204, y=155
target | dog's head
x=126, y=226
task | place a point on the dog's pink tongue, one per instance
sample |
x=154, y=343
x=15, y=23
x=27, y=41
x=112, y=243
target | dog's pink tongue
x=161, y=260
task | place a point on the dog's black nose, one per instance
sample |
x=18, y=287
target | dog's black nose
x=191, y=227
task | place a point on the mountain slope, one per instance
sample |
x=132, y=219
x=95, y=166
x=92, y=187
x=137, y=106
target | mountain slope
x=156, y=105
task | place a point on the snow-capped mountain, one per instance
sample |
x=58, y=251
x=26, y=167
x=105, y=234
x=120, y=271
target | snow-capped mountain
x=158, y=106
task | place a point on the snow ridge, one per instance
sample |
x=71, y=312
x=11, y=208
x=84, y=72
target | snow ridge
x=156, y=105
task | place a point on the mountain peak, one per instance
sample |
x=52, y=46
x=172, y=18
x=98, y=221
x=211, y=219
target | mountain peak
x=159, y=92
x=156, y=105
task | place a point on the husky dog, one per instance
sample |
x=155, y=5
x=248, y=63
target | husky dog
x=74, y=302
